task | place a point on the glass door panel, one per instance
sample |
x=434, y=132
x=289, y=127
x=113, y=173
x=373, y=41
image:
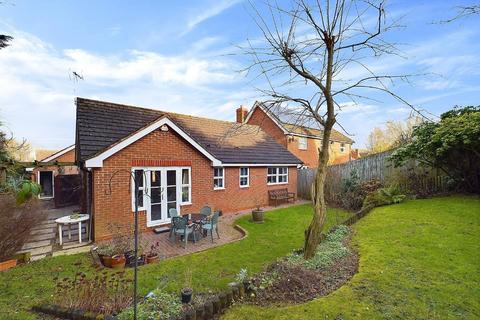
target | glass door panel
x=171, y=201
x=156, y=196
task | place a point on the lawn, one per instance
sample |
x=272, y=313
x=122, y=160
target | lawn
x=282, y=232
x=418, y=260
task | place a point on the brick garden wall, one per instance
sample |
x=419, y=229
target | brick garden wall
x=168, y=149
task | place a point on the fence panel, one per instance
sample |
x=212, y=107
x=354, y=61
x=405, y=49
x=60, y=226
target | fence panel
x=375, y=166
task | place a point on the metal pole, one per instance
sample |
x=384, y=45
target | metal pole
x=135, y=253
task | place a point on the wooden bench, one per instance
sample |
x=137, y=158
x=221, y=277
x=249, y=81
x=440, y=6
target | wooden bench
x=281, y=194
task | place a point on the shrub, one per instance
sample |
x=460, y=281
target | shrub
x=241, y=276
x=384, y=196
x=16, y=223
x=353, y=192
x=331, y=249
x=159, y=305
x=105, y=293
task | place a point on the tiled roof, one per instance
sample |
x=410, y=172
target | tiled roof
x=335, y=135
x=102, y=124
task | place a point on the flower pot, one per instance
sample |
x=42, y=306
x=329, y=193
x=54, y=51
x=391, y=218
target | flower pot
x=152, y=258
x=106, y=260
x=5, y=265
x=257, y=216
x=186, y=295
x=118, y=261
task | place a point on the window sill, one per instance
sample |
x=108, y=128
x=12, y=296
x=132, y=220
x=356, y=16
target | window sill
x=243, y=187
x=219, y=188
x=186, y=204
x=277, y=183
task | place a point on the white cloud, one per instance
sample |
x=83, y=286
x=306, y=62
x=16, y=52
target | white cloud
x=37, y=100
x=211, y=11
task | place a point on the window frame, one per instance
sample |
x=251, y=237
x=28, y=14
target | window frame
x=189, y=185
x=302, y=143
x=143, y=207
x=149, y=170
x=240, y=176
x=222, y=178
x=277, y=176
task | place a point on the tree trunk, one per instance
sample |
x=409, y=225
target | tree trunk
x=312, y=234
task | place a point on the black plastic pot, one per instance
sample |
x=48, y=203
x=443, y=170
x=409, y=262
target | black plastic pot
x=186, y=295
x=131, y=259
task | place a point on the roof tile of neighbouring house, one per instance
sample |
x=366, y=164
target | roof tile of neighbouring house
x=101, y=124
x=335, y=135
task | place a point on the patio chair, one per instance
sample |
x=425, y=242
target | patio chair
x=205, y=211
x=172, y=213
x=181, y=228
x=211, y=224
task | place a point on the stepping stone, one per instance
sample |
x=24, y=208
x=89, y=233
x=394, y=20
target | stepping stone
x=36, y=244
x=38, y=257
x=39, y=251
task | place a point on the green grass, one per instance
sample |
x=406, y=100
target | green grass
x=418, y=260
x=282, y=232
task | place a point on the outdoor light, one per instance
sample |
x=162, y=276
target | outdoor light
x=164, y=128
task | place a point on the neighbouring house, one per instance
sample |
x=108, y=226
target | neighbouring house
x=353, y=155
x=51, y=169
x=183, y=162
x=303, y=142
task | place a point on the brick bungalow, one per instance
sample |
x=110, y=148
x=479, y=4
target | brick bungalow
x=187, y=162
x=302, y=141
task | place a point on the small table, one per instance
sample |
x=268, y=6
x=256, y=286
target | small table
x=68, y=220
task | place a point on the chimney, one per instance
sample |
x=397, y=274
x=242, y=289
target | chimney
x=241, y=114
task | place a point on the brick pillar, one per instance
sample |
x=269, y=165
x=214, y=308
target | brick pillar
x=241, y=114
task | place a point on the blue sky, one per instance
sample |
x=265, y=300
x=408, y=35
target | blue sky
x=182, y=56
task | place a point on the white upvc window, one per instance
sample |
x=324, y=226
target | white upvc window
x=218, y=178
x=342, y=147
x=244, y=177
x=302, y=143
x=186, y=186
x=139, y=177
x=277, y=175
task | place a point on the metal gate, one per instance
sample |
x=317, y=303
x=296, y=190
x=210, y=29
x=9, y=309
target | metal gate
x=67, y=190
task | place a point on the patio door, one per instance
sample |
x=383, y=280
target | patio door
x=164, y=189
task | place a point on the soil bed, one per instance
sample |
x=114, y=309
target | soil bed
x=296, y=283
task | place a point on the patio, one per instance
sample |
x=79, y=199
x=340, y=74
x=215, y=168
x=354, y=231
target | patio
x=45, y=242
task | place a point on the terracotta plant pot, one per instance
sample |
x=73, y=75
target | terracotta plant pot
x=186, y=295
x=152, y=258
x=5, y=265
x=106, y=261
x=118, y=261
x=257, y=216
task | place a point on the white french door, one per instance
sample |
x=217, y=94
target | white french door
x=164, y=192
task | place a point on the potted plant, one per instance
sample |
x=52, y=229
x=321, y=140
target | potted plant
x=187, y=290
x=257, y=214
x=152, y=255
x=118, y=261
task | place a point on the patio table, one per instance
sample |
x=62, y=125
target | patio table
x=69, y=220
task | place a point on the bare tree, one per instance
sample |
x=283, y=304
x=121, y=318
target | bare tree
x=316, y=57
x=463, y=12
x=4, y=39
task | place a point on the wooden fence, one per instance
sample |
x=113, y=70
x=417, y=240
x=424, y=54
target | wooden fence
x=377, y=167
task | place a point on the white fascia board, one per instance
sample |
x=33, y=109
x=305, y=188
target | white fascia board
x=259, y=105
x=97, y=161
x=260, y=164
x=58, y=154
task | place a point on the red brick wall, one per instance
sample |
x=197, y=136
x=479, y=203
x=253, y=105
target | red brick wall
x=164, y=149
x=66, y=157
x=309, y=156
x=260, y=119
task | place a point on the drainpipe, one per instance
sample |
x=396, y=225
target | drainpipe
x=89, y=202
